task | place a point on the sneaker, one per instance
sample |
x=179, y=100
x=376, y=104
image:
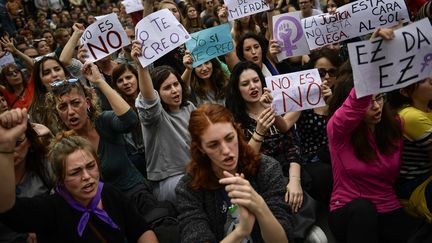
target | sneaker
x=316, y=235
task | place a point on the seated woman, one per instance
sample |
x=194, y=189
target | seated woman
x=74, y=107
x=207, y=81
x=267, y=132
x=311, y=127
x=365, y=143
x=83, y=209
x=164, y=113
x=414, y=105
x=229, y=190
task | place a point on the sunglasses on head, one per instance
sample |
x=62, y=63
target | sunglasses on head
x=63, y=82
x=323, y=72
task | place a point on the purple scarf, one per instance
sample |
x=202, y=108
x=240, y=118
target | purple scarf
x=91, y=208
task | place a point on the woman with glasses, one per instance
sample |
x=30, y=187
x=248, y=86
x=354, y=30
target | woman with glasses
x=365, y=142
x=414, y=105
x=266, y=132
x=82, y=209
x=75, y=107
x=311, y=127
x=18, y=92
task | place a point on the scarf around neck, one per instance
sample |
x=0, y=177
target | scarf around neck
x=91, y=208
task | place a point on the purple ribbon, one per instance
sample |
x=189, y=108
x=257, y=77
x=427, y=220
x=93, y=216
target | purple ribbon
x=91, y=208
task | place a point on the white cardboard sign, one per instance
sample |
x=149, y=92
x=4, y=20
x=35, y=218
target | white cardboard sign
x=159, y=33
x=381, y=66
x=353, y=20
x=296, y=91
x=288, y=31
x=242, y=8
x=103, y=37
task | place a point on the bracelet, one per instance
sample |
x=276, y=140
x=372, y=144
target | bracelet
x=259, y=134
x=256, y=140
x=298, y=178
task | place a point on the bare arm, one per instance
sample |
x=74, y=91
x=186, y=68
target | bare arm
x=118, y=104
x=13, y=124
x=144, y=79
x=148, y=237
x=294, y=194
x=68, y=50
x=291, y=118
x=9, y=46
x=187, y=62
x=231, y=58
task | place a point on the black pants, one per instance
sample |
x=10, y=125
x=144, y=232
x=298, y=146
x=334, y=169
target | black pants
x=359, y=222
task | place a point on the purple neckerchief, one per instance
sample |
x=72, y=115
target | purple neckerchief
x=91, y=208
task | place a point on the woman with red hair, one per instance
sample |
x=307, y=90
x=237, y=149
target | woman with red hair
x=229, y=190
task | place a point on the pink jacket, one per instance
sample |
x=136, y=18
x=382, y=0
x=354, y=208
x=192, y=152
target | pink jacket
x=352, y=177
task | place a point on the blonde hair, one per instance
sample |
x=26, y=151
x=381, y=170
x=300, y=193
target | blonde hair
x=64, y=144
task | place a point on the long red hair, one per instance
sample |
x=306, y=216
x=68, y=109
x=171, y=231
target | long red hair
x=200, y=167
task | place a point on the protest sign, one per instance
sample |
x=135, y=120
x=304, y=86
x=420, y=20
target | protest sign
x=132, y=6
x=296, y=91
x=353, y=20
x=381, y=66
x=242, y=8
x=288, y=31
x=210, y=43
x=7, y=58
x=103, y=37
x=159, y=33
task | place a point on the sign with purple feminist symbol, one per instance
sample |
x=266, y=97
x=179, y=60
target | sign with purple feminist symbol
x=288, y=31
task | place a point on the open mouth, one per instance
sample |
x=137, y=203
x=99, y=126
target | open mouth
x=73, y=121
x=176, y=98
x=88, y=187
x=377, y=116
x=229, y=161
x=254, y=94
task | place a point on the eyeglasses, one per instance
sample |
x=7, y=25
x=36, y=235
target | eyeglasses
x=61, y=83
x=12, y=73
x=331, y=72
x=379, y=98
